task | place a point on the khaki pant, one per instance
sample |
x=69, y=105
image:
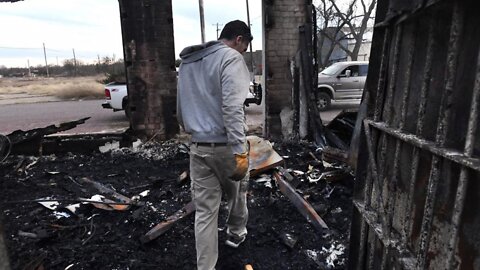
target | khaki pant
x=210, y=167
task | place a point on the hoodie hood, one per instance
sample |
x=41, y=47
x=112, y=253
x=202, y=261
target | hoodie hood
x=197, y=52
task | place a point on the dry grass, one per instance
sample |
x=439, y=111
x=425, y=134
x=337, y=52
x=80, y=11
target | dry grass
x=64, y=88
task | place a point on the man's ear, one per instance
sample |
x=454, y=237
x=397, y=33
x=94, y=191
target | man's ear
x=239, y=39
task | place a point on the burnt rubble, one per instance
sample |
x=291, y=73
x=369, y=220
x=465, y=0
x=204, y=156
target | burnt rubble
x=110, y=201
x=148, y=174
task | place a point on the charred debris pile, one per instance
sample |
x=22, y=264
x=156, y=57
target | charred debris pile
x=129, y=207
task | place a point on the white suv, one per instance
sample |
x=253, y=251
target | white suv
x=341, y=81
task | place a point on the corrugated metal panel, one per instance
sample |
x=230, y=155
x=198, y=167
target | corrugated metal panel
x=418, y=171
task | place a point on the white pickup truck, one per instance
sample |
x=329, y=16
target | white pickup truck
x=116, y=96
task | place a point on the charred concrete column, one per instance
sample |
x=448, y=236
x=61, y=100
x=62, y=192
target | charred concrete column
x=282, y=19
x=148, y=45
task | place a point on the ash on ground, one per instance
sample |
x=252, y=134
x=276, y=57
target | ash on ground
x=279, y=237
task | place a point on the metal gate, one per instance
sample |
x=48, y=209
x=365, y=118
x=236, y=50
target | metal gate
x=418, y=172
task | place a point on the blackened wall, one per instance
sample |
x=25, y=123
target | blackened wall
x=147, y=29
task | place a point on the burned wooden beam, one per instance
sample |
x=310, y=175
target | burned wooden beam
x=164, y=226
x=334, y=154
x=109, y=192
x=303, y=206
x=19, y=136
x=30, y=142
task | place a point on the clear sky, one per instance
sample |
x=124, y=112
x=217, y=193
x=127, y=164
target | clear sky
x=92, y=28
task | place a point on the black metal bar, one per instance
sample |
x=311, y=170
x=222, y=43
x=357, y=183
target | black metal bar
x=448, y=154
x=387, y=115
x=425, y=87
x=383, y=74
x=444, y=115
x=387, y=109
x=392, y=242
x=463, y=179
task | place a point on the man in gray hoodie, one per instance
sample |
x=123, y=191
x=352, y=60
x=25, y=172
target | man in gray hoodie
x=213, y=82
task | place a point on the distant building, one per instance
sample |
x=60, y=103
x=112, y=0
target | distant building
x=344, y=38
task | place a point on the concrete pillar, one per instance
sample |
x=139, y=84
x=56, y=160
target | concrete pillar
x=149, y=53
x=282, y=19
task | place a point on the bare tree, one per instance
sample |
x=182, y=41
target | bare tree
x=338, y=24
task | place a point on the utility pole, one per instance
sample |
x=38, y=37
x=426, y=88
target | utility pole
x=45, y=55
x=218, y=27
x=202, y=20
x=251, y=53
x=29, y=71
x=74, y=62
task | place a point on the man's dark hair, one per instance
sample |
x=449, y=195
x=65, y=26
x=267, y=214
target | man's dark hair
x=234, y=29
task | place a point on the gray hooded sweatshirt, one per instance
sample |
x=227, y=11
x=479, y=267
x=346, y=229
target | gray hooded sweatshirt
x=213, y=82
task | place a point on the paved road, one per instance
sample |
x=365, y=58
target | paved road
x=27, y=116
x=34, y=115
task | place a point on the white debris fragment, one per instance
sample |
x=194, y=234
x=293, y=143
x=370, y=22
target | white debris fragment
x=73, y=207
x=60, y=215
x=136, y=144
x=314, y=176
x=312, y=254
x=326, y=164
x=109, y=146
x=69, y=266
x=333, y=254
x=263, y=178
x=52, y=205
x=337, y=210
x=97, y=198
x=144, y=193
x=297, y=172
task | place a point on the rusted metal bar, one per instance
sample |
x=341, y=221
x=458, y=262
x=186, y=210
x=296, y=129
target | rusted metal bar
x=463, y=179
x=448, y=154
x=303, y=206
x=164, y=226
x=444, y=115
x=107, y=191
x=425, y=87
